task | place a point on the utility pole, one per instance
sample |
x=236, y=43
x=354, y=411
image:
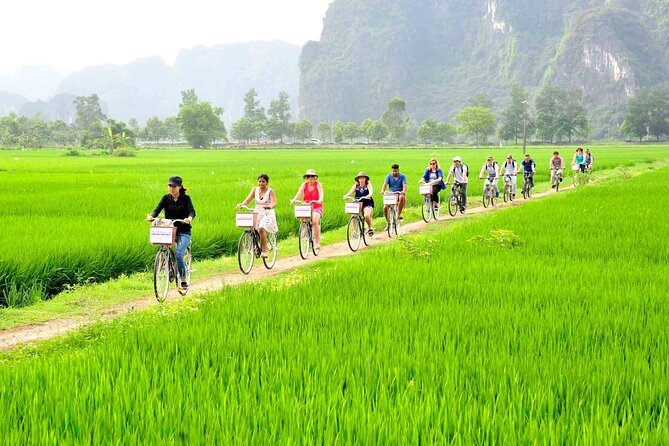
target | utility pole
x=524, y=126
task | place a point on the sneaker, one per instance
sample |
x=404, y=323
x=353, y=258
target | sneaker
x=370, y=232
x=553, y=186
x=184, y=285
x=497, y=194
x=401, y=218
x=514, y=196
x=263, y=254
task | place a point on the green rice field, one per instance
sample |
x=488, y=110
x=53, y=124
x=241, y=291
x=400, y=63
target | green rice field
x=544, y=323
x=75, y=220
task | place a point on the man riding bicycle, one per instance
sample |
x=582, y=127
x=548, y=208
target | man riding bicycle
x=460, y=173
x=510, y=168
x=396, y=182
x=177, y=205
x=557, y=164
x=529, y=167
x=492, y=169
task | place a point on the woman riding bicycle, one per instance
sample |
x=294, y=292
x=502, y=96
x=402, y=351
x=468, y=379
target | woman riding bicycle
x=177, y=205
x=312, y=191
x=265, y=199
x=579, y=159
x=363, y=191
x=433, y=174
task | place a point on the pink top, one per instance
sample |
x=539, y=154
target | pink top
x=313, y=195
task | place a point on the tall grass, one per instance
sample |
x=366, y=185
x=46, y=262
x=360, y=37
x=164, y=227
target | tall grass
x=541, y=324
x=69, y=220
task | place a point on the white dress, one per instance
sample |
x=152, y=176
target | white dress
x=266, y=217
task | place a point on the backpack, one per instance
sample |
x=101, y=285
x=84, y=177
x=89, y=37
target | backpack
x=462, y=167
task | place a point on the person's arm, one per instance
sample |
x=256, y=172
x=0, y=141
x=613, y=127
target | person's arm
x=321, y=195
x=481, y=173
x=385, y=185
x=534, y=166
x=404, y=185
x=448, y=178
x=371, y=190
x=191, y=210
x=272, y=199
x=248, y=199
x=350, y=192
x=440, y=176
x=299, y=195
x=157, y=210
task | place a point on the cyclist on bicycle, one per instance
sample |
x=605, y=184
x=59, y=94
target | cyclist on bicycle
x=557, y=164
x=589, y=160
x=312, y=190
x=363, y=190
x=529, y=167
x=396, y=182
x=177, y=205
x=492, y=169
x=579, y=160
x=460, y=173
x=265, y=203
x=511, y=167
x=433, y=174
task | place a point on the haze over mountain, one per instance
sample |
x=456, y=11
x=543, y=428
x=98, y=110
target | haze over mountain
x=438, y=54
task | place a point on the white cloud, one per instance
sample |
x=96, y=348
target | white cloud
x=71, y=34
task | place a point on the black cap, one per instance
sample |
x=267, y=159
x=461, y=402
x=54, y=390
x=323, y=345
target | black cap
x=175, y=181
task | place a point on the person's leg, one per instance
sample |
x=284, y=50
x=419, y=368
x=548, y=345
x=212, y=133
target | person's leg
x=463, y=191
x=385, y=211
x=401, y=204
x=316, y=222
x=553, y=175
x=183, y=241
x=435, y=194
x=263, y=240
x=495, y=187
x=532, y=178
x=368, y=217
x=514, y=182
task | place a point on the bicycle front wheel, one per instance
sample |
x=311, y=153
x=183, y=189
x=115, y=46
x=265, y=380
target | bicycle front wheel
x=486, y=198
x=427, y=209
x=391, y=220
x=353, y=233
x=245, y=252
x=161, y=274
x=303, y=239
x=453, y=205
x=272, y=249
x=507, y=194
x=396, y=225
x=188, y=260
x=366, y=237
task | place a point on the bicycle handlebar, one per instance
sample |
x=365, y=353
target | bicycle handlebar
x=304, y=202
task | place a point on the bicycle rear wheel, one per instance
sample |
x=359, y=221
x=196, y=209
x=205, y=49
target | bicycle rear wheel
x=188, y=260
x=366, y=237
x=161, y=274
x=272, y=249
x=453, y=205
x=486, y=198
x=303, y=239
x=426, y=209
x=353, y=233
x=245, y=252
x=315, y=250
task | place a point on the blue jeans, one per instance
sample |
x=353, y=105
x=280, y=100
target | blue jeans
x=183, y=242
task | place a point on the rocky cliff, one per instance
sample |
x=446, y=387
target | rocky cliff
x=439, y=53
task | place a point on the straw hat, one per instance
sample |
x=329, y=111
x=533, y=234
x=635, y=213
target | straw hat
x=310, y=173
x=361, y=174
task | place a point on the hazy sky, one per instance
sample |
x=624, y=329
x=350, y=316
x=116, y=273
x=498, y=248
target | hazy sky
x=71, y=34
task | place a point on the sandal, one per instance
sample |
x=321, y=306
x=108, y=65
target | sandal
x=370, y=232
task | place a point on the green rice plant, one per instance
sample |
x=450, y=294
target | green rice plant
x=560, y=340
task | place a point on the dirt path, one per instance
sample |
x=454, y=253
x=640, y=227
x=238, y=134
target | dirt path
x=28, y=334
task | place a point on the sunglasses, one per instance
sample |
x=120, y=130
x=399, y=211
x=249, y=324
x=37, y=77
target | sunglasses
x=310, y=176
x=433, y=164
x=172, y=185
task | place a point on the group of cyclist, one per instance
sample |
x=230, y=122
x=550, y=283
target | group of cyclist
x=177, y=205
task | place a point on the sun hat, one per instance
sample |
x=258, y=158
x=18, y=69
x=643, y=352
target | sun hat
x=361, y=174
x=509, y=156
x=175, y=181
x=310, y=173
x=457, y=158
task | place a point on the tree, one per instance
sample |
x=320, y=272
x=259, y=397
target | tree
x=481, y=100
x=658, y=112
x=243, y=130
x=378, y=131
x=133, y=125
x=427, y=131
x=153, y=130
x=88, y=111
x=515, y=116
x=279, y=109
x=478, y=122
x=338, y=131
x=445, y=131
x=395, y=118
x=350, y=131
x=274, y=129
x=252, y=108
x=201, y=123
x=365, y=128
x=647, y=114
x=303, y=130
x=172, y=129
x=324, y=131
x=560, y=114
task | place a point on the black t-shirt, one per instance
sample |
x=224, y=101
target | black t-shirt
x=180, y=209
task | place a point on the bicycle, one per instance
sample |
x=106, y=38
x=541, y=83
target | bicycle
x=305, y=235
x=392, y=199
x=356, y=224
x=557, y=179
x=430, y=208
x=527, y=186
x=165, y=266
x=508, y=188
x=489, y=193
x=455, y=201
x=250, y=246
